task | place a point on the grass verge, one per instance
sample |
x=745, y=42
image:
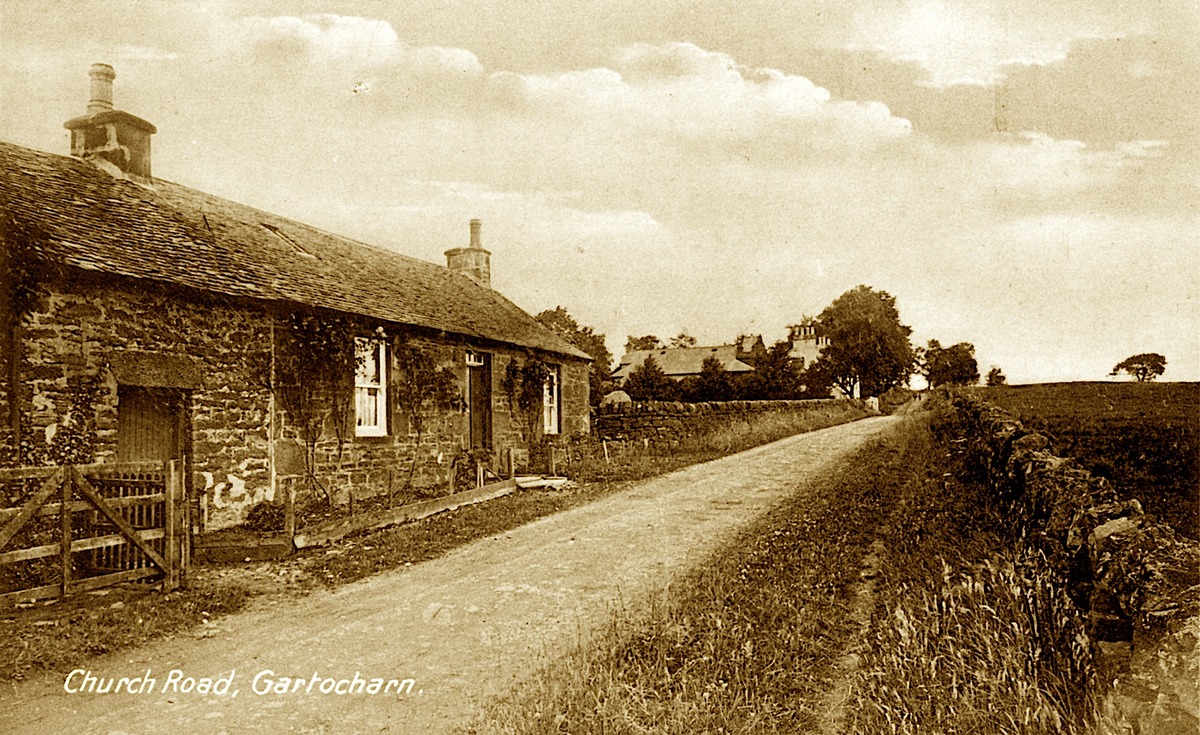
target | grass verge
x=59, y=636
x=972, y=632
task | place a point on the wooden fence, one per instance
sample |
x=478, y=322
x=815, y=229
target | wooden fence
x=83, y=527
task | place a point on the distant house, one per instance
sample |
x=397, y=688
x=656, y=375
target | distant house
x=174, y=307
x=806, y=343
x=683, y=362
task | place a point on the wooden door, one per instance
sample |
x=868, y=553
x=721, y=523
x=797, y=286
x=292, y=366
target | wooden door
x=149, y=424
x=479, y=394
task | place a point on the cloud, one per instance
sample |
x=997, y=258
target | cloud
x=345, y=42
x=652, y=186
x=325, y=37
x=971, y=41
x=682, y=93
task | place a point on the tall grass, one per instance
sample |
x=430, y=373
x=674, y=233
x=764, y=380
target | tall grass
x=972, y=632
x=996, y=649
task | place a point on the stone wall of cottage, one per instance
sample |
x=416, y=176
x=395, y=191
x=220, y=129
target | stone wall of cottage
x=76, y=332
x=359, y=468
x=242, y=448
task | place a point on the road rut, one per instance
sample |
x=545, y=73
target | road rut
x=464, y=628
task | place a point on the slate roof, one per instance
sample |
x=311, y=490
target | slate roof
x=177, y=235
x=678, y=362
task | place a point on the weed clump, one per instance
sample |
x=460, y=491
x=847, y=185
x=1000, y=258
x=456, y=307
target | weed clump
x=265, y=517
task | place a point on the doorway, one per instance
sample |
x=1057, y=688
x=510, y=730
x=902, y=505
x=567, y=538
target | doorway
x=479, y=399
x=149, y=424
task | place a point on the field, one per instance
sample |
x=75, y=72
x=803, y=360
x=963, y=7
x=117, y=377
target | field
x=1143, y=437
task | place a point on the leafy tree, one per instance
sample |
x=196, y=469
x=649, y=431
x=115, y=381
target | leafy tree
x=1143, y=367
x=314, y=365
x=683, y=339
x=954, y=365
x=561, y=323
x=646, y=342
x=647, y=382
x=775, y=377
x=712, y=384
x=868, y=346
x=815, y=381
x=780, y=375
x=996, y=377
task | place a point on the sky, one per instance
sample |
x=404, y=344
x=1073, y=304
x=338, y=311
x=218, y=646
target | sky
x=1020, y=175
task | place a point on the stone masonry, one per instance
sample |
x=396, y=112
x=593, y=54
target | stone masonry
x=217, y=353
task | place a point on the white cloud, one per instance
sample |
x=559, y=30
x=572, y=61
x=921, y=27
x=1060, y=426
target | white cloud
x=363, y=43
x=327, y=36
x=970, y=41
x=682, y=92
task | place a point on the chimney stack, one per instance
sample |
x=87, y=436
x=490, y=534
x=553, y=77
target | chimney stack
x=473, y=262
x=112, y=140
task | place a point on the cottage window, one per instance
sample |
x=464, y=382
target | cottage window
x=370, y=388
x=551, y=403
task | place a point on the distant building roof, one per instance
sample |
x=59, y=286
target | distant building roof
x=88, y=219
x=679, y=362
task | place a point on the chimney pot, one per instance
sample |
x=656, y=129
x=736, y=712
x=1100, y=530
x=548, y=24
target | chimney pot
x=476, y=240
x=101, y=99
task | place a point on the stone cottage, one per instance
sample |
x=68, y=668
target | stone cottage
x=144, y=320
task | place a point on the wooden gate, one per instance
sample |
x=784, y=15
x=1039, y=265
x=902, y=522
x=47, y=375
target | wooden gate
x=82, y=527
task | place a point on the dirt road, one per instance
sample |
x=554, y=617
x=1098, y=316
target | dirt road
x=461, y=629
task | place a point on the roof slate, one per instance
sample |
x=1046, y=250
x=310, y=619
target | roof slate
x=177, y=235
x=680, y=361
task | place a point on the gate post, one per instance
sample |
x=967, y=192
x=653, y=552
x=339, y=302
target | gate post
x=64, y=512
x=171, y=523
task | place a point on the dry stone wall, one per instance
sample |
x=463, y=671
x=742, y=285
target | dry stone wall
x=668, y=422
x=1138, y=579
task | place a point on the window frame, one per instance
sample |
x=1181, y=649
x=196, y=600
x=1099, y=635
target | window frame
x=377, y=349
x=552, y=402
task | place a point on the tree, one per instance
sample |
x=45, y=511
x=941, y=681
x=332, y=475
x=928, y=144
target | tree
x=954, y=365
x=779, y=374
x=646, y=342
x=712, y=384
x=868, y=346
x=815, y=381
x=1143, y=367
x=683, y=339
x=647, y=382
x=996, y=377
x=524, y=383
x=557, y=320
